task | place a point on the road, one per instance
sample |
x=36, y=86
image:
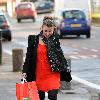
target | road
x=85, y=53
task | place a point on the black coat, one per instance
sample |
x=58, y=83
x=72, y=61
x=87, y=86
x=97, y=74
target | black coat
x=29, y=66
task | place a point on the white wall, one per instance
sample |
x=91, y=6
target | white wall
x=10, y=8
x=72, y=4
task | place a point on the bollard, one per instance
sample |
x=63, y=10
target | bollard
x=66, y=85
x=0, y=46
x=17, y=57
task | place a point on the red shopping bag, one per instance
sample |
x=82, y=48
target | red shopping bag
x=27, y=91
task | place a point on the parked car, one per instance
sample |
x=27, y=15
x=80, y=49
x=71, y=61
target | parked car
x=25, y=10
x=74, y=22
x=44, y=7
x=5, y=27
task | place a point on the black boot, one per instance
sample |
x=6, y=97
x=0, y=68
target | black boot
x=41, y=94
x=52, y=94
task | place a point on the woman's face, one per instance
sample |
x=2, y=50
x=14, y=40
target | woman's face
x=47, y=31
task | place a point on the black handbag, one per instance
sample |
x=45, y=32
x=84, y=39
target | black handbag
x=66, y=74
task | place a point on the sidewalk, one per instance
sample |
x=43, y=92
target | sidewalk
x=8, y=80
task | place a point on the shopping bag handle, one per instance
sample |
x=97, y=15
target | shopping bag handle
x=23, y=80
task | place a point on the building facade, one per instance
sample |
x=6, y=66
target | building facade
x=8, y=6
x=95, y=5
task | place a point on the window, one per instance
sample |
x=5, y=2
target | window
x=24, y=6
x=74, y=14
x=2, y=18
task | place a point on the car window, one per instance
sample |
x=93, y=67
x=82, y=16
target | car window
x=24, y=6
x=42, y=5
x=74, y=14
x=2, y=18
x=47, y=5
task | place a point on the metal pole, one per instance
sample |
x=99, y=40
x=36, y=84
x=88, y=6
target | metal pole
x=0, y=46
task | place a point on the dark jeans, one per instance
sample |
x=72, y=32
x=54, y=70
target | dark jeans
x=52, y=94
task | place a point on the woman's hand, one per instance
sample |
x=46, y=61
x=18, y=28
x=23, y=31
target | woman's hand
x=24, y=75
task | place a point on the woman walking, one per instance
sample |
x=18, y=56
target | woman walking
x=45, y=62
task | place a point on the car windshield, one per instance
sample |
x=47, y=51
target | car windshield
x=24, y=6
x=2, y=18
x=42, y=4
x=74, y=14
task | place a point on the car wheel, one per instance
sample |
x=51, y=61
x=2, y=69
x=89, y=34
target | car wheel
x=34, y=19
x=78, y=35
x=9, y=38
x=88, y=35
x=18, y=20
x=60, y=35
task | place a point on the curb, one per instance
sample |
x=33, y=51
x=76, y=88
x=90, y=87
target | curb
x=94, y=94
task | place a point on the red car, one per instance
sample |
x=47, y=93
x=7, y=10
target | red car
x=26, y=10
